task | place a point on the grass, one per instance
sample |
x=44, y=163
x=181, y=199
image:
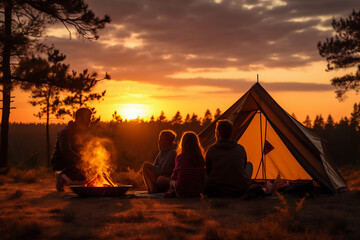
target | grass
x=16, y=195
x=11, y=228
x=352, y=177
x=188, y=217
x=129, y=217
x=16, y=175
x=37, y=210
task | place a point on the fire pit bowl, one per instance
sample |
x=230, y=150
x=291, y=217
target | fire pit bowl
x=117, y=191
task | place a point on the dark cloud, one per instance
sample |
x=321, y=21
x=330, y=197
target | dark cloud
x=241, y=85
x=181, y=34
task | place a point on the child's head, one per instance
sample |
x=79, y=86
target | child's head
x=191, y=148
x=166, y=139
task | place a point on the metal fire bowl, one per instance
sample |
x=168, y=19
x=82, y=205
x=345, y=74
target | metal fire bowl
x=117, y=191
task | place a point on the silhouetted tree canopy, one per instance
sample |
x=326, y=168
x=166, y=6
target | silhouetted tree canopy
x=217, y=113
x=177, y=119
x=22, y=23
x=81, y=86
x=343, y=51
x=162, y=117
x=307, y=122
x=207, y=117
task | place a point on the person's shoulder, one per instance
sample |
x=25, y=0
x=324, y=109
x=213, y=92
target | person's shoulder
x=240, y=147
x=213, y=146
x=67, y=129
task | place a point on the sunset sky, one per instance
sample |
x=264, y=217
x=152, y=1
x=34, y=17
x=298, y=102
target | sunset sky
x=193, y=55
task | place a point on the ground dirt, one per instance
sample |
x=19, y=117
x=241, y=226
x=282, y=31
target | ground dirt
x=33, y=209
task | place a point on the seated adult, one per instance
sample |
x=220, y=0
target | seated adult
x=155, y=175
x=225, y=165
x=66, y=157
x=188, y=178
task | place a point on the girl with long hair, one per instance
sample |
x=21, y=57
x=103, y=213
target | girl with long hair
x=188, y=178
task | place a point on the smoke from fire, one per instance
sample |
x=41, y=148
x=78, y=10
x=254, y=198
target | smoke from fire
x=96, y=156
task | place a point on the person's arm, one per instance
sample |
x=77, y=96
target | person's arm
x=169, y=163
x=208, y=162
x=65, y=146
x=175, y=171
x=156, y=163
x=245, y=157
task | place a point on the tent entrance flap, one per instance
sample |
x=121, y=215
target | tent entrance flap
x=268, y=154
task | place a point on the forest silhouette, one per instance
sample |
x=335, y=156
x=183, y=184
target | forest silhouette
x=135, y=140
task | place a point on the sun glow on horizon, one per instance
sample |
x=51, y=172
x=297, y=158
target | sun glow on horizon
x=132, y=111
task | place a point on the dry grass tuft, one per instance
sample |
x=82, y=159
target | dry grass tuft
x=2, y=179
x=218, y=203
x=55, y=211
x=337, y=226
x=352, y=177
x=68, y=216
x=213, y=231
x=188, y=217
x=129, y=217
x=167, y=232
x=16, y=195
x=11, y=228
x=16, y=175
x=130, y=177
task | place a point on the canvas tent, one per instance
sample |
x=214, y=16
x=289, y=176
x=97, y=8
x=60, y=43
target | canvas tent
x=276, y=143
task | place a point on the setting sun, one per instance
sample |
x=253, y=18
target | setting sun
x=132, y=111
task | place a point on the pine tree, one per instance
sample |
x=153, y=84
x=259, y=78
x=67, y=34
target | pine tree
x=217, y=113
x=307, y=122
x=194, y=118
x=177, y=119
x=82, y=85
x=187, y=118
x=45, y=79
x=207, y=117
x=355, y=117
x=319, y=123
x=342, y=51
x=152, y=119
x=162, y=117
x=330, y=123
x=116, y=117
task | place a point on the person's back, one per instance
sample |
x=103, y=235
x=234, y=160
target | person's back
x=66, y=155
x=190, y=180
x=189, y=173
x=225, y=165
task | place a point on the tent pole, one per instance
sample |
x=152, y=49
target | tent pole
x=264, y=155
x=260, y=164
x=262, y=148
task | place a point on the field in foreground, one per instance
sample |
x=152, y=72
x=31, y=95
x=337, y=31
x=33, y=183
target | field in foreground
x=32, y=209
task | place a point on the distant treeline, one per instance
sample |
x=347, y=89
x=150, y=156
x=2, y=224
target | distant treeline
x=136, y=140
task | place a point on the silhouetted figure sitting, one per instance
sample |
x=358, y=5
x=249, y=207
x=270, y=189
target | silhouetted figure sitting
x=188, y=178
x=226, y=162
x=163, y=166
x=66, y=157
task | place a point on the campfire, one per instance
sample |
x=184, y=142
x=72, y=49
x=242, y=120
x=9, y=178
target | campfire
x=96, y=163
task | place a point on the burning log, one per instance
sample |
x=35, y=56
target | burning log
x=101, y=180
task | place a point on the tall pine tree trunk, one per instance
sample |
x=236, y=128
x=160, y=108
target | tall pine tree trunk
x=6, y=86
x=48, y=164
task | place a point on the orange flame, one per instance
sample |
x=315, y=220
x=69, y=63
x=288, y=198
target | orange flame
x=96, y=162
x=101, y=180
